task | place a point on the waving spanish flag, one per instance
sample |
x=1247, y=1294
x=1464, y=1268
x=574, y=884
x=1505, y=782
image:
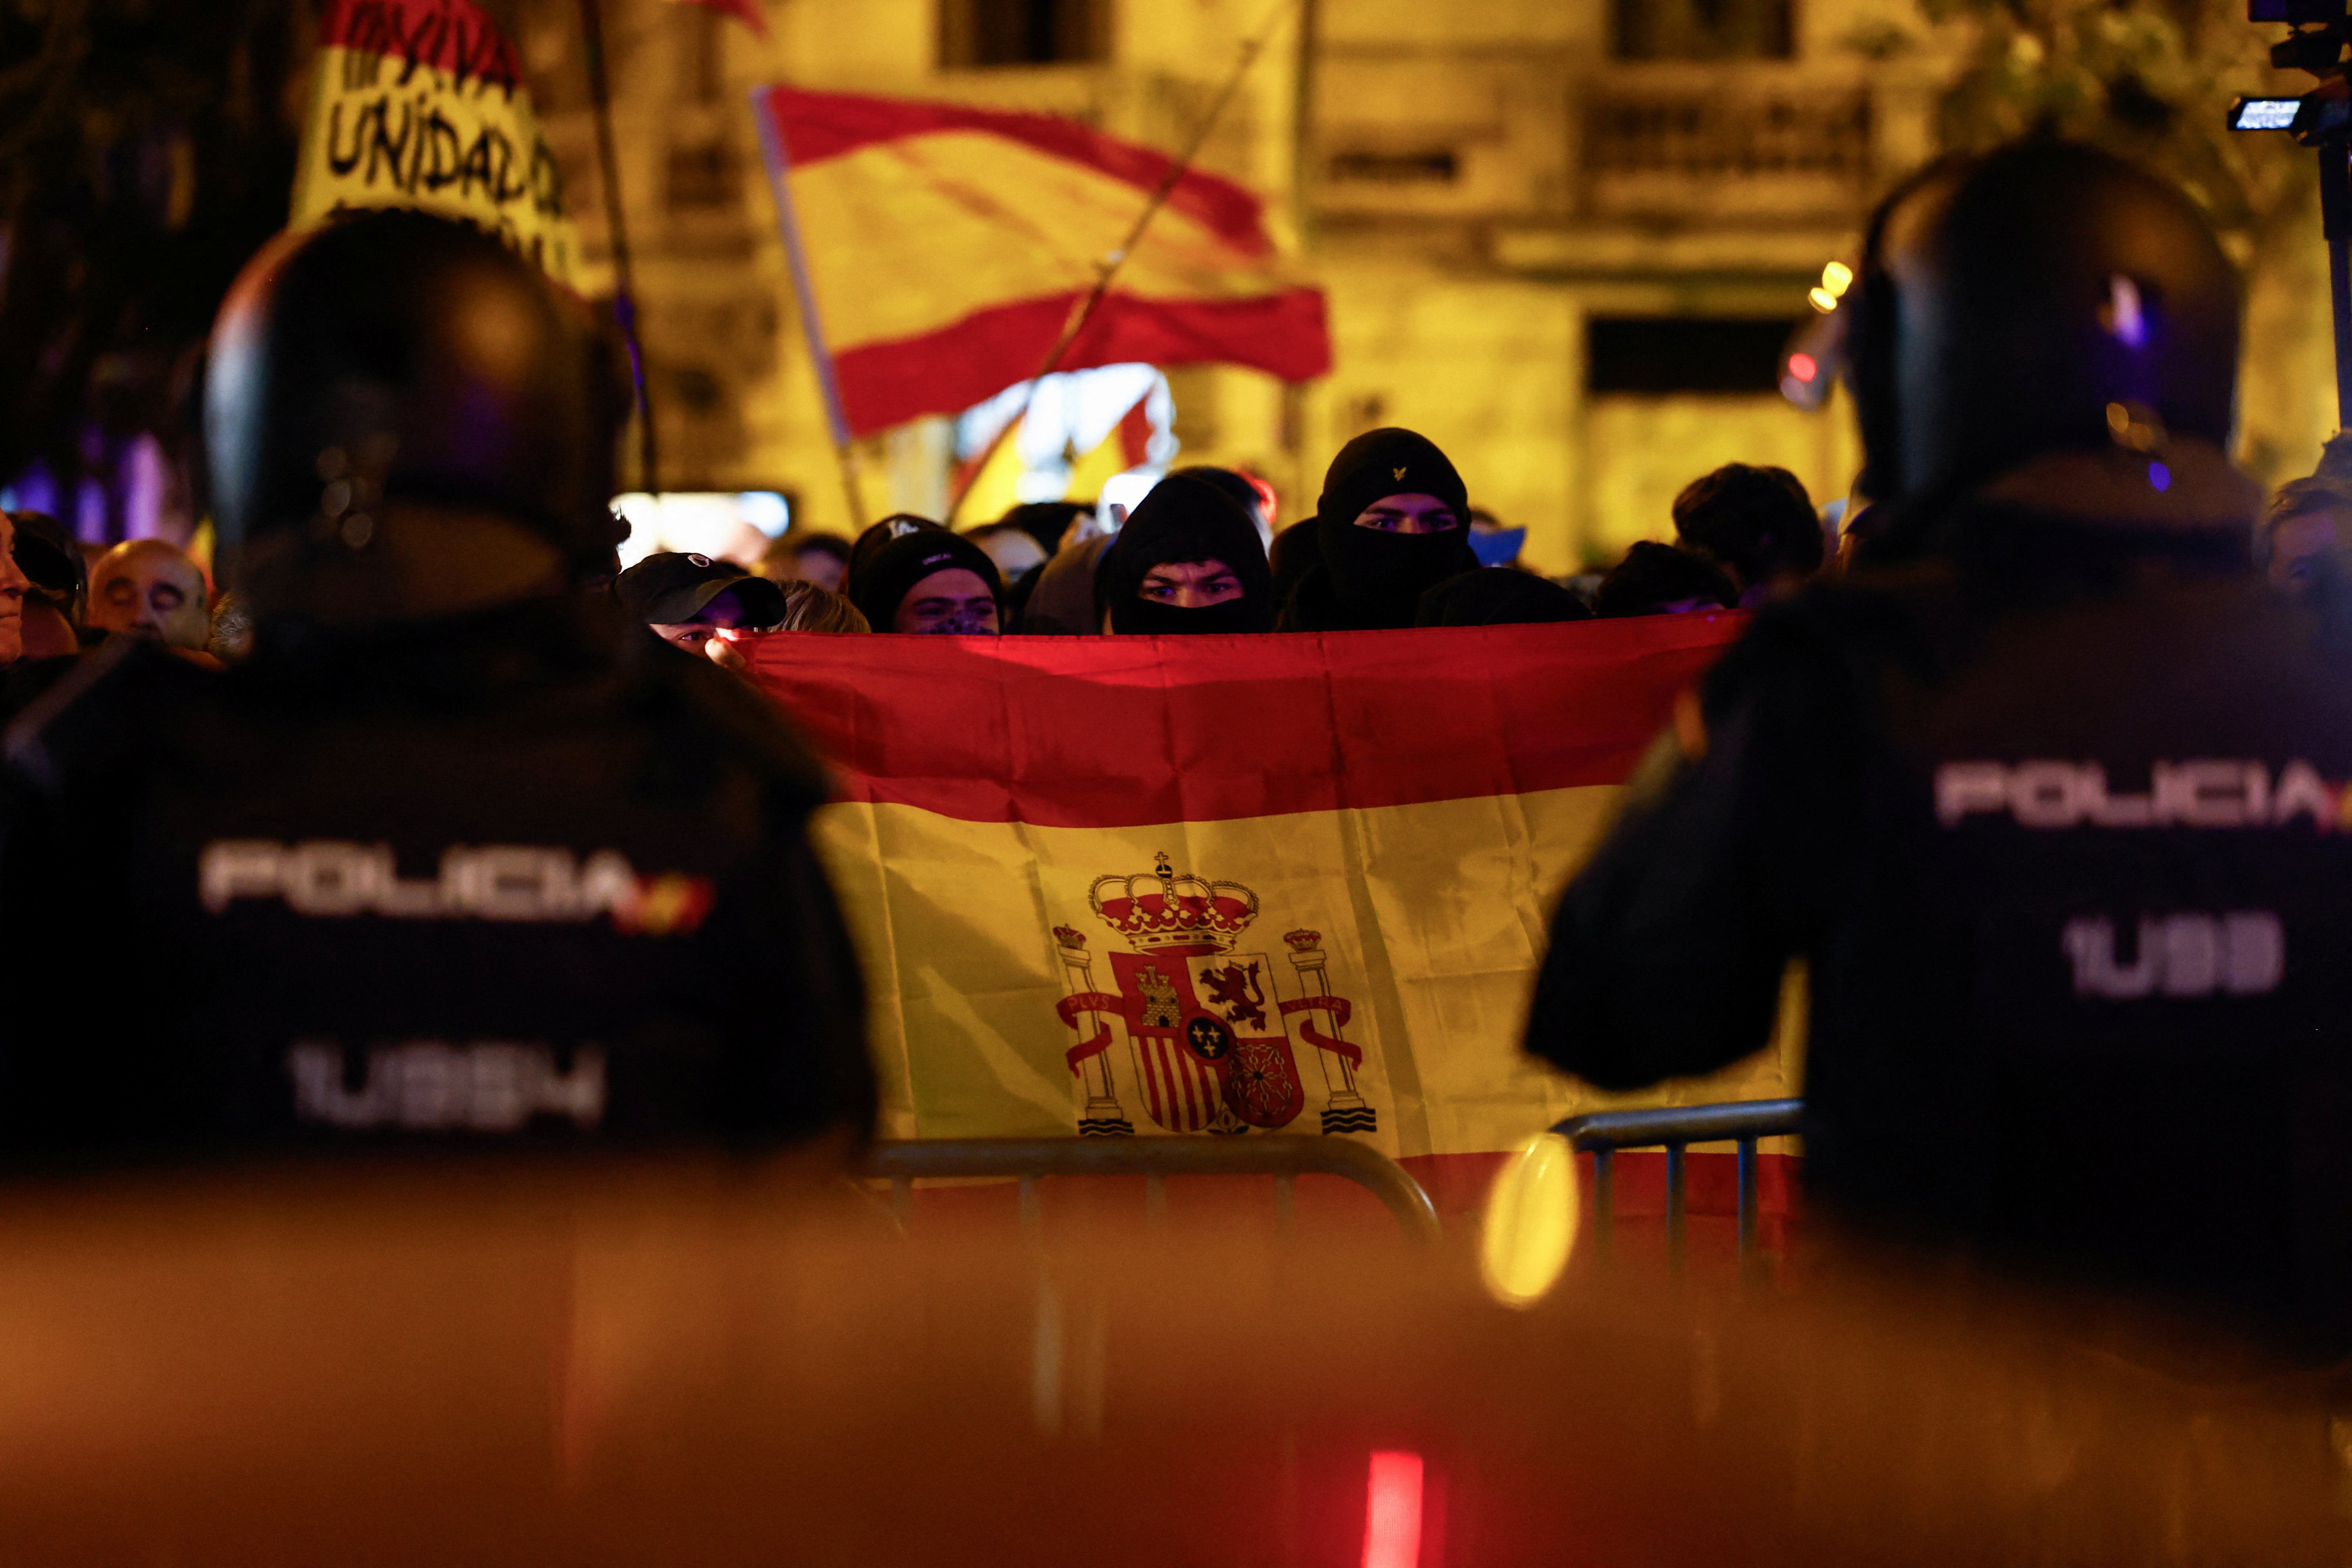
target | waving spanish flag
x=945, y=246
x=1178, y=886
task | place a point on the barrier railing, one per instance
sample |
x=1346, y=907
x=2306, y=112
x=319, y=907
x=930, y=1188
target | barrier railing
x=1031, y=1160
x=1739, y=1121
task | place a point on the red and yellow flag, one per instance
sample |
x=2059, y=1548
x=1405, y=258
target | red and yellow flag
x=945, y=246
x=421, y=103
x=1187, y=885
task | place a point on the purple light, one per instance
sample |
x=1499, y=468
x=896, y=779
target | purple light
x=2159, y=476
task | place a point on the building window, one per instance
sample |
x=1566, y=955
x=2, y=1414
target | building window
x=1431, y=167
x=1661, y=355
x=702, y=53
x=1703, y=29
x=1023, y=32
x=703, y=176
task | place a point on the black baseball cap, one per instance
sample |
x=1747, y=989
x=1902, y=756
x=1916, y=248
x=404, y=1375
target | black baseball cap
x=672, y=589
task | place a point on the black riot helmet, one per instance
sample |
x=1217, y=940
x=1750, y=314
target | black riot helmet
x=2008, y=302
x=398, y=356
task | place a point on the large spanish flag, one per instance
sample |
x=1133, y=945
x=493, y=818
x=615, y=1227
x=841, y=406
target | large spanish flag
x=946, y=246
x=1184, y=885
x=421, y=103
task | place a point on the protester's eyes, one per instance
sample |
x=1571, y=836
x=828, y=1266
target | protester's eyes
x=693, y=638
x=1158, y=590
x=168, y=598
x=119, y=592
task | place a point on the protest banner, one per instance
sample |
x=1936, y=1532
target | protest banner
x=421, y=103
x=1178, y=886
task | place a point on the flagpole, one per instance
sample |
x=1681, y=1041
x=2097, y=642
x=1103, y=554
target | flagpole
x=772, y=144
x=1108, y=269
x=624, y=287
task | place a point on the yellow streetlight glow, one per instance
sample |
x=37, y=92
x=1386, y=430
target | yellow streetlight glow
x=1532, y=1213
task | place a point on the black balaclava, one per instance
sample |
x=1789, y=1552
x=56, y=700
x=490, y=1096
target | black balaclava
x=1184, y=517
x=1377, y=577
x=890, y=574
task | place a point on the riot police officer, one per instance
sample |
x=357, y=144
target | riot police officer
x=448, y=859
x=2050, y=801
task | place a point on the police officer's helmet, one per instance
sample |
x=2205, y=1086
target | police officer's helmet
x=2008, y=302
x=396, y=354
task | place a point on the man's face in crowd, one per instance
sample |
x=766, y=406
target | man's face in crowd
x=826, y=570
x=724, y=613
x=149, y=589
x=2302, y=541
x=950, y=602
x=1190, y=584
x=1408, y=514
x=13, y=584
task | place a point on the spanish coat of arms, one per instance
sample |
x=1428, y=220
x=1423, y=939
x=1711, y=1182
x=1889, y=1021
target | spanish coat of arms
x=1208, y=1037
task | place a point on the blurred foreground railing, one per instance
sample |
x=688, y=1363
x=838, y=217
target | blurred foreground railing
x=1740, y=1121
x=1031, y=1160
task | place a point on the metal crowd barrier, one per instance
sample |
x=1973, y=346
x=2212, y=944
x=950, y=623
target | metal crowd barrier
x=1742, y=1121
x=1031, y=1160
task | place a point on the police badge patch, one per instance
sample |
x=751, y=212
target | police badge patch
x=1208, y=1037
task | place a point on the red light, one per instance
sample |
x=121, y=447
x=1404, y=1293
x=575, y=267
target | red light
x=1393, y=1512
x=1803, y=367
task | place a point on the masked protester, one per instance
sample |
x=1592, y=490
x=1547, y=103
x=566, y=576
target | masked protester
x=931, y=583
x=1187, y=561
x=1392, y=523
x=2049, y=805
x=452, y=858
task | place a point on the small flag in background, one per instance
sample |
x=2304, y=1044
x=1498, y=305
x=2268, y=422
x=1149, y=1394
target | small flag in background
x=946, y=246
x=421, y=103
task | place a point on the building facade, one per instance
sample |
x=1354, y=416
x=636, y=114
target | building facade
x=1564, y=238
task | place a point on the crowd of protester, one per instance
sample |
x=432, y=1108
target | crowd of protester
x=1393, y=543
x=439, y=647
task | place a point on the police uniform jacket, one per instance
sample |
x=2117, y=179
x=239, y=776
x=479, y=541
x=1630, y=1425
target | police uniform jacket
x=529, y=876
x=2055, y=817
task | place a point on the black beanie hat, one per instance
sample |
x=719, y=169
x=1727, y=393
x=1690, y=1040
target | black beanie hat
x=1391, y=462
x=1377, y=577
x=1184, y=517
x=870, y=543
x=883, y=582
x=1499, y=596
x=1233, y=485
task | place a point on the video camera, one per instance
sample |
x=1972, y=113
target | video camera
x=2316, y=45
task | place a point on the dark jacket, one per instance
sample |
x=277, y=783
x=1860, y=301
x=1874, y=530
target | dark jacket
x=527, y=876
x=2053, y=818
